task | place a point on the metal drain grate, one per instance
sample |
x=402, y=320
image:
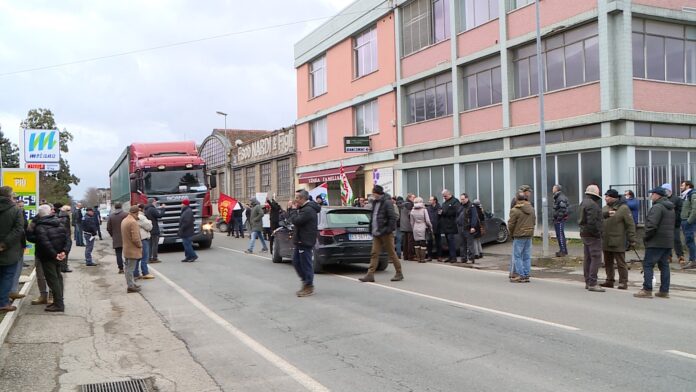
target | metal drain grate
x=134, y=385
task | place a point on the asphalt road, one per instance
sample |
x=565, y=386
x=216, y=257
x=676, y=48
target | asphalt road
x=443, y=328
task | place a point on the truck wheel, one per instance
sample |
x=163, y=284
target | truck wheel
x=205, y=244
x=383, y=264
x=318, y=268
x=277, y=258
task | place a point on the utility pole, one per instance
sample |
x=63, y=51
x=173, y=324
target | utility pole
x=542, y=140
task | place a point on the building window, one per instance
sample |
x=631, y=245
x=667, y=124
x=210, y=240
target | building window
x=284, y=178
x=665, y=130
x=319, y=132
x=237, y=191
x=425, y=22
x=266, y=177
x=520, y=3
x=482, y=84
x=570, y=59
x=484, y=181
x=250, y=173
x=474, y=13
x=428, y=181
x=221, y=182
x=430, y=98
x=367, y=118
x=365, y=52
x=317, y=77
x=213, y=152
x=664, y=51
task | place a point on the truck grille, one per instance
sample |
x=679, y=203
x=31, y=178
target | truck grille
x=169, y=224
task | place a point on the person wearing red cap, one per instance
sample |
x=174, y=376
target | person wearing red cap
x=186, y=231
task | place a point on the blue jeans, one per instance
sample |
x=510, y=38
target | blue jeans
x=18, y=273
x=689, y=238
x=7, y=273
x=89, y=246
x=656, y=256
x=142, y=263
x=302, y=261
x=254, y=235
x=397, y=242
x=239, y=226
x=560, y=235
x=452, y=245
x=522, y=256
x=78, y=236
x=188, y=248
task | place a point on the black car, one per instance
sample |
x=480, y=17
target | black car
x=496, y=231
x=343, y=238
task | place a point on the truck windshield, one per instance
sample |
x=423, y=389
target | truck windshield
x=174, y=181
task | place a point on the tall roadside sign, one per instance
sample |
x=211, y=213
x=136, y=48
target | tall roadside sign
x=40, y=149
x=25, y=185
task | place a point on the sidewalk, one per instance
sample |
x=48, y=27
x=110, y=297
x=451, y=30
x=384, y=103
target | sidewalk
x=104, y=335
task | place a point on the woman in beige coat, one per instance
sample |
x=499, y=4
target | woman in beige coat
x=422, y=228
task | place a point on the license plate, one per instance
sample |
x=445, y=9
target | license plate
x=360, y=237
x=160, y=241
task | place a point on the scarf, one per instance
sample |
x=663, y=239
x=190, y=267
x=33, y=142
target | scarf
x=685, y=194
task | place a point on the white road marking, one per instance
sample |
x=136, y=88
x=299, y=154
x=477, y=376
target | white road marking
x=681, y=354
x=470, y=306
x=451, y=302
x=302, y=378
x=244, y=253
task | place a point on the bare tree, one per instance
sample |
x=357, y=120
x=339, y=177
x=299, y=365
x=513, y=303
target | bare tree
x=91, y=198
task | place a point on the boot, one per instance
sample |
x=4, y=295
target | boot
x=608, y=284
x=14, y=296
x=419, y=254
x=369, y=277
x=397, y=277
x=681, y=260
x=41, y=300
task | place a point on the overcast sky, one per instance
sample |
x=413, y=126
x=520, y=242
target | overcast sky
x=166, y=94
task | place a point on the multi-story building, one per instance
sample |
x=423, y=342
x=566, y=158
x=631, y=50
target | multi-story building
x=620, y=96
x=345, y=87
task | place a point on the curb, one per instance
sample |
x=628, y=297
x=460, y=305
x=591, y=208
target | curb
x=10, y=317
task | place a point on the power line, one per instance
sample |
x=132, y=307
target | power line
x=181, y=43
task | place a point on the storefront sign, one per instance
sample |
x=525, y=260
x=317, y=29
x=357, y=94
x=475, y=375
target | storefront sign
x=384, y=176
x=25, y=184
x=41, y=146
x=273, y=145
x=356, y=144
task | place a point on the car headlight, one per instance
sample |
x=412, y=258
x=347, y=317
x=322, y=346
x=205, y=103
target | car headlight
x=207, y=227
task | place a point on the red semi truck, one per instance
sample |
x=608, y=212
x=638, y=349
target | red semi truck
x=168, y=172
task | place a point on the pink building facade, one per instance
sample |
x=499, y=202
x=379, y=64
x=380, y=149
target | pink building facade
x=619, y=91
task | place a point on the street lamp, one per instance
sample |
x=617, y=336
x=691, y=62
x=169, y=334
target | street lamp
x=542, y=140
x=224, y=115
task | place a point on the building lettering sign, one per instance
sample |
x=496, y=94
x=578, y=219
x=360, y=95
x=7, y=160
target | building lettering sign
x=273, y=145
x=359, y=144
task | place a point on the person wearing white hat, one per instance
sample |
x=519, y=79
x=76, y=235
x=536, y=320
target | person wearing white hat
x=590, y=221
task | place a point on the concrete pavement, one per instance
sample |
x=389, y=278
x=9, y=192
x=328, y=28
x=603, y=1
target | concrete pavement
x=104, y=335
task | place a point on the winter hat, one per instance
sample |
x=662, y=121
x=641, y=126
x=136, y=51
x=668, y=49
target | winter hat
x=527, y=188
x=667, y=187
x=612, y=193
x=593, y=190
x=185, y=202
x=477, y=202
x=5, y=191
x=659, y=190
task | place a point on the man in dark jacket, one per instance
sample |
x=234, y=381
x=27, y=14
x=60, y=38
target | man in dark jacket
x=382, y=225
x=434, y=245
x=659, y=239
x=448, y=223
x=408, y=244
x=186, y=231
x=90, y=228
x=678, y=202
x=302, y=213
x=618, y=230
x=688, y=220
x=154, y=214
x=99, y=221
x=274, y=217
x=237, y=224
x=63, y=213
x=77, y=222
x=590, y=221
x=560, y=216
x=113, y=226
x=11, y=229
x=50, y=240
x=467, y=221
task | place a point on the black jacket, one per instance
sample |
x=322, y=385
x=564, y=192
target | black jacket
x=90, y=224
x=274, y=215
x=305, y=221
x=467, y=217
x=448, y=218
x=186, y=223
x=154, y=214
x=678, y=203
x=77, y=217
x=434, y=216
x=386, y=216
x=560, y=207
x=590, y=220
x=11, y=229
x=50, y=237
x=64, y=218
x=659, y=225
